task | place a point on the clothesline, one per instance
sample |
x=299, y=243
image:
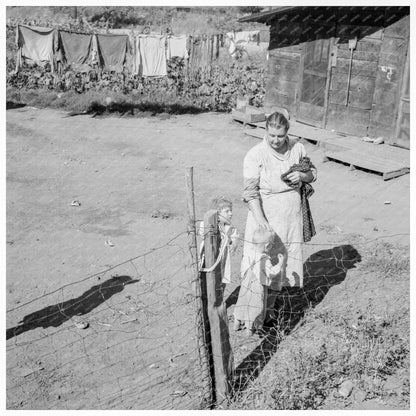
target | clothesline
x=143, y=54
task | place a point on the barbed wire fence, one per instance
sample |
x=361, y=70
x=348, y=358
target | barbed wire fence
x=145, y=335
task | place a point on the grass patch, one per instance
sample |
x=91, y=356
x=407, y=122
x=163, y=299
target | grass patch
x=310, y=365
x=359, y=333
x=387, y=261
x=103, y=103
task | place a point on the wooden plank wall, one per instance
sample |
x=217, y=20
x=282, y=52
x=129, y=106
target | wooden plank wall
x=389, y=77
x=354, y=118
x=376, y=73
x=283, y=65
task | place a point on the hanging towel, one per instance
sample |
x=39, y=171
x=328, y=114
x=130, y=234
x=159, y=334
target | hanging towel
x=113, y=50
x=242, y=37
x=37, y=44
x=77, y=48
x=151, y=55
x=177, y=47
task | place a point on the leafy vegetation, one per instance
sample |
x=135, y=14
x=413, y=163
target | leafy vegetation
x=213, y=89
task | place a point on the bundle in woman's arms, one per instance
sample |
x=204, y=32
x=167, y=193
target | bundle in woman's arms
x=306, y=190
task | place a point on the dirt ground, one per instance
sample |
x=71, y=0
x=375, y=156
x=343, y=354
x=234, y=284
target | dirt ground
x=128, y=174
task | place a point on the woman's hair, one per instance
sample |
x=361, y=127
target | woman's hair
x=277, y=120
x=221, y=202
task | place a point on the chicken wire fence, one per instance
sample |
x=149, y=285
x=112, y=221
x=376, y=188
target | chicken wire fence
x=121, y=338
x=129, y=337
x=325, y=266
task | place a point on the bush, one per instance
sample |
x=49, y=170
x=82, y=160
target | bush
x=212, y=89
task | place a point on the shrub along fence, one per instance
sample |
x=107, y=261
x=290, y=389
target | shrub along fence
x=210, y=88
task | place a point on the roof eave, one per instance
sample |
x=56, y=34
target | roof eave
x=263, y=17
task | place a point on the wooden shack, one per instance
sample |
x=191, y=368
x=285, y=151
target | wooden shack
x=341, y=68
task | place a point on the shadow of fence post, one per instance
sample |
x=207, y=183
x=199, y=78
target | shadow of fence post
x=220, y=347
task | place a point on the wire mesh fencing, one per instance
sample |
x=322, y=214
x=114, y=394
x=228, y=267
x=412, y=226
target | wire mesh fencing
x=381, y=280
x=138, y=336
x=123, y=338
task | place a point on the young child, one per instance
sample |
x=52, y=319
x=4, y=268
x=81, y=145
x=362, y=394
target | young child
x=252, y=304
x=229, y=235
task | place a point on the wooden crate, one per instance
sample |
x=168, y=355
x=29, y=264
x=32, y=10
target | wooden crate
x=248, y=114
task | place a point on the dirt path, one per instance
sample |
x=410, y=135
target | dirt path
x=128, y=176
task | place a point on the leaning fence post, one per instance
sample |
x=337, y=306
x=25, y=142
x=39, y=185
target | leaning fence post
x=217, y=312
x=198, y=289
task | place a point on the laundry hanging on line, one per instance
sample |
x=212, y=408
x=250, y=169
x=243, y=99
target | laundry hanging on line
x=177, y=47
x=150, y=55
x=78, y=49
x=113, y=50
x=36, y=45
x=143, y=54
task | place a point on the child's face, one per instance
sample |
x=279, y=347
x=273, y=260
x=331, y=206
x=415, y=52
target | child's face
x=225, y=214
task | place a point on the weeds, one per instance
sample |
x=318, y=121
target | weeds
x=360, y=340
x=387, y=261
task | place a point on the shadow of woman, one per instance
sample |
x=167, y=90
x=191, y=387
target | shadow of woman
x=322, y=270
x=56, y=315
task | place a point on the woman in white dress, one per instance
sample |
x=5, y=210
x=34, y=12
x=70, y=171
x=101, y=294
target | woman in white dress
x=275, y=204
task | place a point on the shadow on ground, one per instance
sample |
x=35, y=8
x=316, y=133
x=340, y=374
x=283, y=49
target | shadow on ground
x=10, y=105
x=322, y=270
x=142, y=109
x=56, y=315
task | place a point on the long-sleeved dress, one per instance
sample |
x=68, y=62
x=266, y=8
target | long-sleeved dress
x=252, y=303
x=281, y=204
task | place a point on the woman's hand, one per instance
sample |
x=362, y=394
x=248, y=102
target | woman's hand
x=295, y=177
x=256, y=209
x=262, y=223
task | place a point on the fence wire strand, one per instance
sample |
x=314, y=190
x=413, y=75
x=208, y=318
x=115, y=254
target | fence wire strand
x=133, y=342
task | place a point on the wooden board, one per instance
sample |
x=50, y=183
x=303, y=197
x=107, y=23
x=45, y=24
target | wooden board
x=364, y=85
x=282, y=84
x=274, y=97
x=310, y=113
x=388, y=168
x=299, y=130
x=362, y=68
x=399, y=28
x=247, y=116
x=349, y=120
x=358, y=55
x=355, y=99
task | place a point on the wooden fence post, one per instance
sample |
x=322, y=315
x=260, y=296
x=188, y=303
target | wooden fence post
x=199, y=292
x=217, y=312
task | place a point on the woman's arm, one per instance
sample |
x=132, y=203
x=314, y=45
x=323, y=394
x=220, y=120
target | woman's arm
x=257, y=211
x=307, y=176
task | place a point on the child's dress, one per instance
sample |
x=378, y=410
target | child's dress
x=251, y=306
x=229, y=238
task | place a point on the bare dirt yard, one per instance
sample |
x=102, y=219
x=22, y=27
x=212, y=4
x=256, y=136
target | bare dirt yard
x=99, y=305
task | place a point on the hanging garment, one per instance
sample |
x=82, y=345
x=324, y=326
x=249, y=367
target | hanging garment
x=77, y=48
x=201, y=53
x=113, y=50
x=37, y=44
x=231, y=43
x=264, y=36
x=150, y=55
x=177, y=47
x=242, y=38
